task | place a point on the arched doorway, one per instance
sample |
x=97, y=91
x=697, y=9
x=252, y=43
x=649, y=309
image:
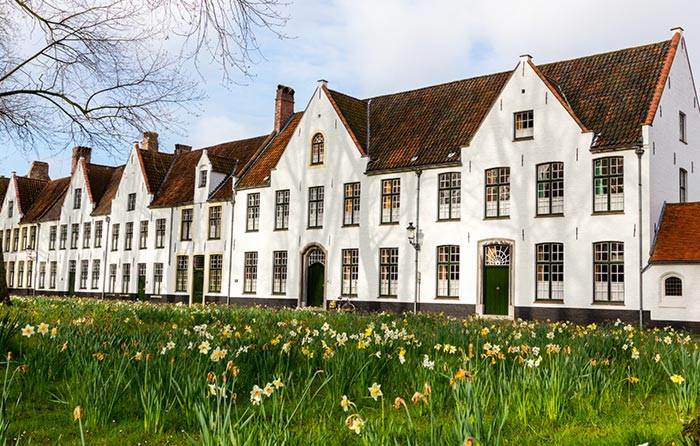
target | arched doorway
x=314, y=274
x=496, y=277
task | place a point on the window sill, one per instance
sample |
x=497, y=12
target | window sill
x=524, y=138
x=505, y=217
x=608, y=213
x=214, y=238
x=549, y=215
x=279, y=294
x=392, y=297
x=280, y=229
x=351, y=225
x=447, y=220
x=388, y=223
x=252, y=230
x=447, y=298
x=683, y=141
x=314, y=227
x=249, y=293
x=549, y=301
x=608, y=303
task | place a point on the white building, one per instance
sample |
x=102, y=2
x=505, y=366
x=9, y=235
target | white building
x=535, y=193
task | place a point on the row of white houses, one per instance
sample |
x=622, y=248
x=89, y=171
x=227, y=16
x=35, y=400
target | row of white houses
x=541, y=192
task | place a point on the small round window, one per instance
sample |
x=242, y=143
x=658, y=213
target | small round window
x=673, y=286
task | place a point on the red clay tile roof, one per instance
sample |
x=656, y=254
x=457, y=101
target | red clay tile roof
x=222, y=165
x=97, y=178
x=178, y=186
x=50, y=196
x=424, y=126
x=257, y=174
x=353, y=113
x=678, y=237
x=104, y=206
x=154, y=166
x=27, y=190
x=4, y=184
x=612, y=93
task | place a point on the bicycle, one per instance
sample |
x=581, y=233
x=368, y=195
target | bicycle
x=344, y=304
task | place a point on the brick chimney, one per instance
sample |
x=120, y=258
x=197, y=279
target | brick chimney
x=284, y=106
x=80, y=152
x=150, y=141
x=182, y=149
x=39, y=170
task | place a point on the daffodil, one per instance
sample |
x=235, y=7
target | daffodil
x=375, y=391
x=28, y=331
x=43, y=328
x=218, y=354
x=256, y=395
x=355, y=423
x=268, y=389
x=345, y=403
x=277, y=382
x=677, y=379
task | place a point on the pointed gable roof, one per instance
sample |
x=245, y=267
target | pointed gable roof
x=678, y=237
x=97, y=179
x=258, y=173
x=178, y=186
x=353, y=113
x=27, y=190
x=50, y=198
x=104, y=206
x=154, y=166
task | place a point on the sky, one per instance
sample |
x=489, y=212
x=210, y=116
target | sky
x=366, y=48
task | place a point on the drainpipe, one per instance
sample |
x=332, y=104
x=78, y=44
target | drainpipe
x=416, y=297
x=640, y=151
x=35, y=267
x=106, y=248
x=230, y=247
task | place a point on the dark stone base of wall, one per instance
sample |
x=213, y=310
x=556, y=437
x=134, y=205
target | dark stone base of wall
x=581, y=316
x=458, y=310
x=253, y=301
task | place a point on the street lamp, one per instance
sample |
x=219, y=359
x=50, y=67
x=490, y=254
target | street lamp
x=413, y=237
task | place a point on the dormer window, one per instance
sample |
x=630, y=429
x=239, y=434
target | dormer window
x=10, y=208
x=77, y=196
x=131, y=202
x=203, y=178
x=317, y=149
x=524, y=124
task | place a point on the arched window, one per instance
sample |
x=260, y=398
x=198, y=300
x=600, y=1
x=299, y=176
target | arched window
x=317, y=149
x=673, y=286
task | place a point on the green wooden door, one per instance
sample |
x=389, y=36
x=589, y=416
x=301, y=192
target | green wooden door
x=496, y=289
x=197, y=286
x=142, y=287
x=314, y=285
x=71, y=283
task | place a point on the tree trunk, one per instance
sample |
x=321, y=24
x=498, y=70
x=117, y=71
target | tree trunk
x=4, y=292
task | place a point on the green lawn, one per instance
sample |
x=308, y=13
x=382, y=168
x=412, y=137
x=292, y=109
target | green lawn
x=173, y=375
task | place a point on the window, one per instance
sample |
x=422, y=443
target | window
x=15, y=240
x=391, y=200
x=449, y=195
x=609, y=271
x=8, y=237
x=498, y=192
x=448, y=271
x=30, y=273
x=186, y=226
x=64, y=237
x=112, y=277
x=253, y=212
x=317, y=149
x=250, y=273
x=550, y=189
x=20, y=274
x=115, y=236
x=349, y=272
x=388, y=272
x=11, y=275
x=524, y=124
x=10, y=208
x=32, y=237
x=83, y=274
x=683, y=185
x=77, y=197
x=181, y=274
x=315, y=207
x=681, y=126
x=549, y=262
x=128, y=235
x=126, y=277
x=98, y=234
x=131, y=202
x=95, y=274
x=157, y=277
x=143, y=234
x=160, y=233
x=351, y=204
x=42, y=275
x=24, y=238
x=282, y=209
x=279, y=272
x=86, y=234
x=52, y=275
x=141, y=272
x=215, y=223
x=203, y=178
x=673, y=286
x=608, y=184
x=215, y=267
x=74, y=234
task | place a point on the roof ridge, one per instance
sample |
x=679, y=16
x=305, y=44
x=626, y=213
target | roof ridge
x=605, y=53
x=665, y=72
